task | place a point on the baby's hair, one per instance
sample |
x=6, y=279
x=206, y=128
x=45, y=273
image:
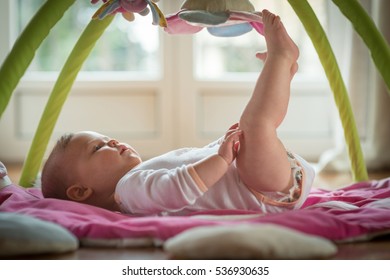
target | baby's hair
x=54, y=179
x=64, y=140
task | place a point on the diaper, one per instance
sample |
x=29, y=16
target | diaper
x=303, y=176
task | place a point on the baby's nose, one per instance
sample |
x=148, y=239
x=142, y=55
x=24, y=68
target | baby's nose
x=112, y=143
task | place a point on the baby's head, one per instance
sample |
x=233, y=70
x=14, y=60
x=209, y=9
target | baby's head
x=85, y=167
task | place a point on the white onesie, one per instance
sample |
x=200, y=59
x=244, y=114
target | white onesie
x=169, y=185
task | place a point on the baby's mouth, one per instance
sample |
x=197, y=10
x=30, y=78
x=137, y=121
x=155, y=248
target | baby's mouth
x=124, y=149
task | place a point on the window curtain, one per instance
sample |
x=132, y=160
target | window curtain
x=369, y=96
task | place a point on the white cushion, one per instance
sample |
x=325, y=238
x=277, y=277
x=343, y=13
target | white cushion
x=248, y=242
x=24, y=235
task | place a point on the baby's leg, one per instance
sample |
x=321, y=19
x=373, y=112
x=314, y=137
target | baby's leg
x=262, y=160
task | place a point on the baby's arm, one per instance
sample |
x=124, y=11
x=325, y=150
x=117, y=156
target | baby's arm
x=150, y=191
x=211, y=169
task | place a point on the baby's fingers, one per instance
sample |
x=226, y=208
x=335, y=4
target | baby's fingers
x=230, y=145
x=234, y=126
x=231, y=131
x=232, y=136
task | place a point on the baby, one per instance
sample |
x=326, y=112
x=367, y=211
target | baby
x=248, y=168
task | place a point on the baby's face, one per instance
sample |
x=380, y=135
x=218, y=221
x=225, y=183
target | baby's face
x=99, y=161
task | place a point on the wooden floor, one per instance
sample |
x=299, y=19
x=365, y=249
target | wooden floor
x=377, y=249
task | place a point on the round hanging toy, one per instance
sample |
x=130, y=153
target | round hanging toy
x=223, y=18
x=128, y=8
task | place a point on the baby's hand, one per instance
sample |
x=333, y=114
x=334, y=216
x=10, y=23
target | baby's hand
x=230, y=144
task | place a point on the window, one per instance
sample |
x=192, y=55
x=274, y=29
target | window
x=130, y=47
x=218, y=57
x=135, y=46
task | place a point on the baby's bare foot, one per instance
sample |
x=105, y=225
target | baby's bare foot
x=277, y=39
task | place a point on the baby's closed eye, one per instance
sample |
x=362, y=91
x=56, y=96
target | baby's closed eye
x=97, y=147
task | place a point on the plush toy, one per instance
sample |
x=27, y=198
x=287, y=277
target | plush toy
x=223, y=18
x=128, y=8
x=4, y=179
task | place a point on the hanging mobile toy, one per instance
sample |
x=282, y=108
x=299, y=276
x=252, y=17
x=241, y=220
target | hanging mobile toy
x=223, y=18
x=128, y=8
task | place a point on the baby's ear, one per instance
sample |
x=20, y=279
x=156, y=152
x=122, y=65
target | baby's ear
x=78, y=193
